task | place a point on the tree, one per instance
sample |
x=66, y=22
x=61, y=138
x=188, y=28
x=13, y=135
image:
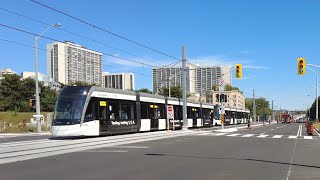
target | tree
x=313, y=109
x=175, y=91
x=11, y=93
x=16, y=93
x=48, y=98
x=228, y=87
x=214, y=87
x=145, y=90
x=262, y=106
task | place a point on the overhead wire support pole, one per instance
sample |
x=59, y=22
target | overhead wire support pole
x=184, y=94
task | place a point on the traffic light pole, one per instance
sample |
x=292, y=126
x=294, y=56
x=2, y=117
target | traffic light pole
x=317, y=96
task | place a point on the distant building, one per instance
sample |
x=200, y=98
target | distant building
x=68, y=62
x=199, y=78
x=6, y=71
x=235, y=98
x=43, y=78
x=124, y=81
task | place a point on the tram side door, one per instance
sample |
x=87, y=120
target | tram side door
x=103, y=116
x=153, y=109
x=211, y=117
x=194, y=117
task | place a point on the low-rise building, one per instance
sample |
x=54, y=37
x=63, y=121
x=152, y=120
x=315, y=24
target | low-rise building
x=235, y=98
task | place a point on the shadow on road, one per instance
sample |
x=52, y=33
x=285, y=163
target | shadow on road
x=238, y=159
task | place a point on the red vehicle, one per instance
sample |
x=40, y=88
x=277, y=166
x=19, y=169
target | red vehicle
x=285, y=118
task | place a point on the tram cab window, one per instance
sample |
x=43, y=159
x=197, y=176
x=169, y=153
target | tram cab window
x=91, y=112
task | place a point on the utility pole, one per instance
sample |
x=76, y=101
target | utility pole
x=254, y=107
x=317, y=99
x=184, y=94
x=272, y=110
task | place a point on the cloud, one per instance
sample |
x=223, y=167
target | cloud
x=202, y=61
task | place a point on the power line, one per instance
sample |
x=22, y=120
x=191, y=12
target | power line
x=87, y=38
x=52, y=39
x=142, y=74
x=29, y=46
x=102, y=29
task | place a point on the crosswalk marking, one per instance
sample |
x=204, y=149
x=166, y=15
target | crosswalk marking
x=292, y=137
x=232, y=135
x=205, y=133
x=262, y=136
x=307, y=137
x=211, y=133
x=248, y=135
x=219, y=134
x=277, y=136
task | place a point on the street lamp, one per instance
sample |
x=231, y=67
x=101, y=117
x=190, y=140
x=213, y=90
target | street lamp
x=317, y=114
x=36, y=38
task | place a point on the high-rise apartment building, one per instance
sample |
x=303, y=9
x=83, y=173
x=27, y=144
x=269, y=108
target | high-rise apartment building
x=208, y=76
x=68, y=62
x=199, y=79
x=124, y=81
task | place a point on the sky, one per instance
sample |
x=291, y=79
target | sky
x=266, y=37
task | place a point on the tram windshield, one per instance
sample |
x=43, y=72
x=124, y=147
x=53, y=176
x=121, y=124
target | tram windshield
x=70, y=105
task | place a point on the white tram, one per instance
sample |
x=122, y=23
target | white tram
x=96, y=111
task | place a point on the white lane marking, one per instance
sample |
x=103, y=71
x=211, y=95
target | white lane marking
x=219, y=134
x=277, y=136
x=307, y=137
x=102, y=151
x=233, y=135
x=131, y=147
x=248, y=135
x=292, y=137
x=278, y=127
x=262, y=136
x=271, y=129
x=301, y=130
x=292, y=155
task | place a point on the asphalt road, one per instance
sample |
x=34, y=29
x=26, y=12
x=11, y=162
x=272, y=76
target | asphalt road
x=187, y=157
x=21, y=137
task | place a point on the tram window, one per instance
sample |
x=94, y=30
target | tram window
x=177, y=112
x=91, y=112
x=127, y=111
x=114, y=110
x=144, y=110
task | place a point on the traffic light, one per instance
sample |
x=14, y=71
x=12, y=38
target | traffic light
x=239, y=71
x=217, y=98
x=223, y=98
x=302, y=65
x=32, y=103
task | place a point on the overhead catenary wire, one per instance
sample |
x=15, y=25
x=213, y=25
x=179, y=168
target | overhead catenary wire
x=78, y=35
x=52, y=39
x=29, y=46
x=102, y=29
